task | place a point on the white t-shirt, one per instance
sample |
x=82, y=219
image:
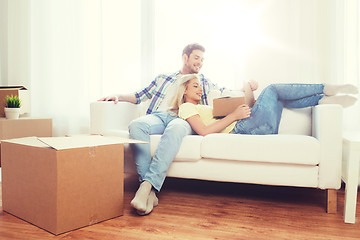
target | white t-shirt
x=169, y=94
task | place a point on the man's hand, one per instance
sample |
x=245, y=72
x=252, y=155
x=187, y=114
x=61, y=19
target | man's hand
x=121, y=98
x=115, y=99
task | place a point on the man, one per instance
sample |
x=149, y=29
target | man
x=152, y=172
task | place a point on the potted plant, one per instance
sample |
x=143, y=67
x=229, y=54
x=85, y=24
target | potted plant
x=12, y=107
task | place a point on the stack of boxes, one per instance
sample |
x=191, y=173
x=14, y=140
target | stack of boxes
x=24, y=126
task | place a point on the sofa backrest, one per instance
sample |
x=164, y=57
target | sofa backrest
x=107, y=115
x=293, y=121
x=296, y=121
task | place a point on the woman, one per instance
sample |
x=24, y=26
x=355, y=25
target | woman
x=264, y=117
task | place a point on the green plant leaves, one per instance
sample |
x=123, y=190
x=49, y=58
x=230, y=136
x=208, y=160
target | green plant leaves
x=12, y=101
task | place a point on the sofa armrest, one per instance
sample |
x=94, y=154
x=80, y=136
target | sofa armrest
x=107, y=115
x=327, y=128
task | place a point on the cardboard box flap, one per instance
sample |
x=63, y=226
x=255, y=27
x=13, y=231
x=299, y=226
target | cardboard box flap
x=61, y=143
x=13, y=87
x=30, y=141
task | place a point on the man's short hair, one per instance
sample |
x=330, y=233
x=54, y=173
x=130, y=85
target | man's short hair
x=191, y=47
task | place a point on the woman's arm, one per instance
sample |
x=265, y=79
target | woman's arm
x=243, y=111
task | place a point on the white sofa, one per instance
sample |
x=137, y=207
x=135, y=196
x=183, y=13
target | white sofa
x=307, y=152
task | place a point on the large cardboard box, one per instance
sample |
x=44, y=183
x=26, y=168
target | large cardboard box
x=64, y=183
x=25, y=127
x=19, y=91
x=225, y=105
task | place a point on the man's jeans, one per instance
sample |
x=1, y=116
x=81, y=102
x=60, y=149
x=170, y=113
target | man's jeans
x=172, y=128
x=266, y=113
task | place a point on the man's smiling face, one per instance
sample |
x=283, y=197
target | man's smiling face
x=195, y=61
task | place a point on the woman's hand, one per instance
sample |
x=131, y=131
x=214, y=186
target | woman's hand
x=241, y=112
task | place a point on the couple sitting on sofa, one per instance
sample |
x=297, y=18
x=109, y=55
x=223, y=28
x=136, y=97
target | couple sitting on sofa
x=188, y=92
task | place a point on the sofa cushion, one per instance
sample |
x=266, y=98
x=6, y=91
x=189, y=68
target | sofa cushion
x=293, y=149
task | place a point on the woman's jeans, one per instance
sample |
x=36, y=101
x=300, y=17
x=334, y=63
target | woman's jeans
x=266, y=113
x=172, y=128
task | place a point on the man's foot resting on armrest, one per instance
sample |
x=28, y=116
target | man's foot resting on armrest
x=331, y=90
x=345, y=100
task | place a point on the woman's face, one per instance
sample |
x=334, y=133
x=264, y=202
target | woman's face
x=193, y=91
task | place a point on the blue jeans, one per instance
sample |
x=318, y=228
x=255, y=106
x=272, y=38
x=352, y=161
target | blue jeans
x=172, y=128
x=266, y=113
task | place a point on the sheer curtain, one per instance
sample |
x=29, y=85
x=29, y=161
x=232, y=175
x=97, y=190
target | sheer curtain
x=351, y=54
x=81, y=50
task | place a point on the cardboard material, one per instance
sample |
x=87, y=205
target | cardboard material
x=59, y=187
x=25, y=127
x=225, y=105
x=19, y=91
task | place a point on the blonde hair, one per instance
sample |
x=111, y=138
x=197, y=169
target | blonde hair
x=179, y=97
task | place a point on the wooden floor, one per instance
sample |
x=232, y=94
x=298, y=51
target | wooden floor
x=190, y=209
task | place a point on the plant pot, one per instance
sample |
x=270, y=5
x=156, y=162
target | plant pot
x=12, y=113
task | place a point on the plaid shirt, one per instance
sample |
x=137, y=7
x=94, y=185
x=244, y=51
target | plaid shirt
x=157, y=89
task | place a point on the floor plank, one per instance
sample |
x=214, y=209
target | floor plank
x=192, y=209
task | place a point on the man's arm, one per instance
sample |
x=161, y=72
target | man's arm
x=249, y=94
x=145, y=93
x=121, y=98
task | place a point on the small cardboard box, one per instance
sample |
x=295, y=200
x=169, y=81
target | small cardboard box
x=19, y=91
x=225, y=105
x=25, y=127
x=63, y=183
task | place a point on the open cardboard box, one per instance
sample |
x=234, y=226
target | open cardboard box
x=63, y=183
x=19, y=91
x=225, y=105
